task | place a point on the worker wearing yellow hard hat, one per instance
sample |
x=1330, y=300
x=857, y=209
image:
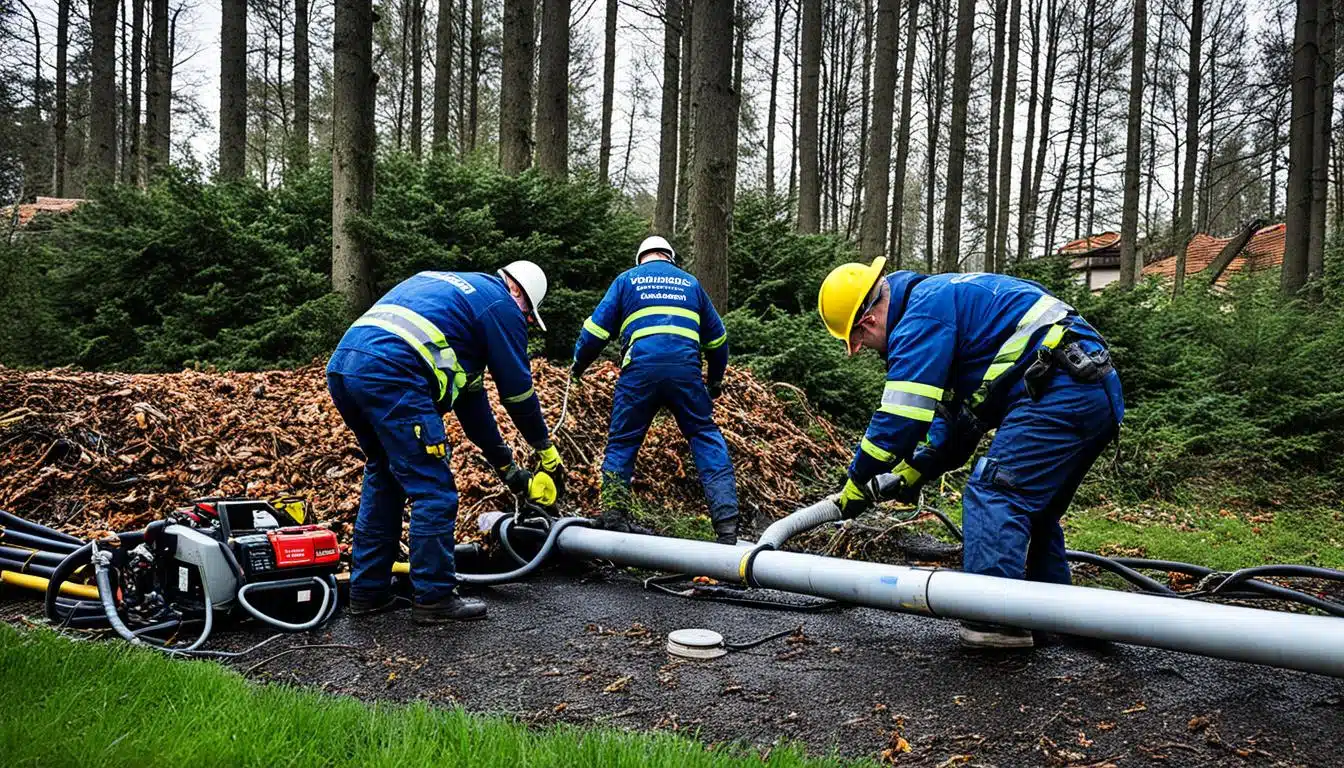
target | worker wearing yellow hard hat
x=966, y=353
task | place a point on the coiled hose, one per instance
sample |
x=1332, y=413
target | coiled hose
x=504, y=527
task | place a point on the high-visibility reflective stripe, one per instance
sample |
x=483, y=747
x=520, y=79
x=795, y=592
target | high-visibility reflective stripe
x=910, y=399
x=425, y=338
x=647, y=311
x=1045, y=312
x=596, y=330
x=872, y=449
x=715, y=344
x=1053, y=336
x=675, y=330
x=520, y=398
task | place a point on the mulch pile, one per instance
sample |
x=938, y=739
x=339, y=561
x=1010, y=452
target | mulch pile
x=93, y=451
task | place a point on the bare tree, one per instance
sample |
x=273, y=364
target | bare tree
x=940, y=32
x=300, y=141
x=903, y=136
x=461, y=34
x=995, y=106
x=62, y=119
x=515, y=91
x=809, y=159
x=1034, y=9
x=873, y=232
x=103, y=91
x=715, y=109
x=772, y=114
x=685, y=122
x=1320, y=165
x=131, y=163
x=665, y=204
x=159, y=98
x=956, y=150
x=608, y=94
x=418, y=73
x=352, y=151
x=998, y=253
x=477, y=43
x=233, y=89
x=1185, y=229
x=1129, y=223
x=1301, y=149
x=443, y=78
x=553, y=90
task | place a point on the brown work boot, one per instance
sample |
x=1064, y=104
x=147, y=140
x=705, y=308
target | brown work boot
x=451, y=608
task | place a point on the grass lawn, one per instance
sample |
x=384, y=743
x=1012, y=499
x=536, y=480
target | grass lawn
x=105, y=703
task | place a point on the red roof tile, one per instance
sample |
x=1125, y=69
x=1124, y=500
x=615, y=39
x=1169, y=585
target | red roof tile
x=1264, y=251
x=27, y=211
x=1090, y=243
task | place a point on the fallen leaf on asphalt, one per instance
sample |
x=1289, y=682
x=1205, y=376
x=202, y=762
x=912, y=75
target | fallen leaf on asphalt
x=954, y=760
x=562, y=706
x=619, y=684
x=1083, y=741
x=1138, y=707
x=1105, y=725
x=1198, y=723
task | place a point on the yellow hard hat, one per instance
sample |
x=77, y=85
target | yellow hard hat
x=843, y=292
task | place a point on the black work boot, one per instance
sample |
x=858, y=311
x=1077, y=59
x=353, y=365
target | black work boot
x=616, y=519
x=385, y=601
x=726, y=531
x=451, y=608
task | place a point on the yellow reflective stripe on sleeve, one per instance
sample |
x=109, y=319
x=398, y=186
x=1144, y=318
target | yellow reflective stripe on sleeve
x=715, y=344
x=415, y=343
x=908, y=411
x=915, y=388
x=877, y=452
x=672, y=329
x=1053, y=336
x=596, y=330
x=519, y=398
x=910, y=399
x=648, y=311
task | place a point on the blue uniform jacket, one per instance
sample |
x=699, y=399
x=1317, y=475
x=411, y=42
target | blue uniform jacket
x=949, y=337
x=486, y=329
x=662, y=317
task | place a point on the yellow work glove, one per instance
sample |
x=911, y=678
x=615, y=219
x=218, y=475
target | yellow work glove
x=553, y=465
x=854, y=499
x=541, y=489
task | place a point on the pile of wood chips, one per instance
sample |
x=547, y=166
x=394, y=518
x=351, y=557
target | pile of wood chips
x=95, y=451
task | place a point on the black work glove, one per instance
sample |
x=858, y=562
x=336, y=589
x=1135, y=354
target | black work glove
x=553, y=465
x=902, y=485
x=516, y=478
x=715, y=389
x=855, y=499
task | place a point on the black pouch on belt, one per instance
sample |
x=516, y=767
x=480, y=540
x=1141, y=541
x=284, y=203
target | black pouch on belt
x=1083, y=366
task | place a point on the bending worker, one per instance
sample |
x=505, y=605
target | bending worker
x=967, y=353
x=419, y=352
x=664, y=320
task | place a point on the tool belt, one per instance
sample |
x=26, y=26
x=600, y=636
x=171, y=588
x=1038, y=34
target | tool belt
x=1085, y=367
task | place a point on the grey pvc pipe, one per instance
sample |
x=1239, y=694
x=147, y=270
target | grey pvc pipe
x=1287, y=640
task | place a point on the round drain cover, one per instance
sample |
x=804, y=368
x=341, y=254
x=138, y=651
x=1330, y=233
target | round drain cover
x=696, y=644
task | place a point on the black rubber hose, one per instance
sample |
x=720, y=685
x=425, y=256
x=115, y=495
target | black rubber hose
x=64, y=571
x=51, y=559
x=1297, y=571
x=21, y=566
x=1257, y=589
x=1128, y=574
x=8, y=520
x=481, y=579
x=36, y=542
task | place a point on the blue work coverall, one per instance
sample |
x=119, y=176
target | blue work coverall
x=964, y=340
x=417, y=353
x=664, y=320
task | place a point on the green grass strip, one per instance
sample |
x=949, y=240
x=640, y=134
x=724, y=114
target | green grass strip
x=108, y=704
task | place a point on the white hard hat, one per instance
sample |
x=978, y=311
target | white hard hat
x=655, y=243
x=532, y=280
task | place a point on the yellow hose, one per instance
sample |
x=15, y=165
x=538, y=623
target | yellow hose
x=39, y=584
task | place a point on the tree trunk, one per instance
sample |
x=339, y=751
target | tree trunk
x=1024, y=186
x=103, y=92
x=137, y=81
x=515, y=97
x=418, y=73
x=939, y=76
x=793, y=116
x=461, y=34
x=995, y=105
x=302, y=77
x=809, y=158
x=715, y=109
x=877, y=170
x=1084, y=115
x=686, y=123
x=1185, y=230
x=903, y=137
x=1320, y=148
x=956, y=149
x=772, y=112
x=609, y=93
x=477, y=43
x=1129, y=218
x=665, y=205
x=352, y=151
x=1027, y=228
x=739, y=56
x=62, y=121
x=441, y=132
x=1053, y=212
x=233, y=89
x=123, y=95
x=1152, y=140
x=159, y=99
x=999, y=253
x=553, y=91
x=865, y=94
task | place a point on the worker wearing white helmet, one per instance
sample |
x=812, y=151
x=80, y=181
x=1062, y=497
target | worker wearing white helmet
x=417, y=353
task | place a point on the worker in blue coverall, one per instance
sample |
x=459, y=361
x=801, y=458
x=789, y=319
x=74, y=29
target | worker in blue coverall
x=417, y=353
x=665, y=321
x=967, y=353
